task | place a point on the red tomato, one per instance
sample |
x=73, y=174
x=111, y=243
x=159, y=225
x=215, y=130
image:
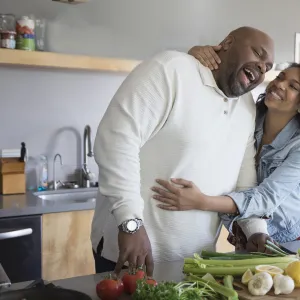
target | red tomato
x=109, y=289
x=140, y=273
x=129, y=281
x=151, y=282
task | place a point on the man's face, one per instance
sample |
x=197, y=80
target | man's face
x=247, y=62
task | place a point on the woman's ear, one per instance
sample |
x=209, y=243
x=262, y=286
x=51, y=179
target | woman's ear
x=227, y=43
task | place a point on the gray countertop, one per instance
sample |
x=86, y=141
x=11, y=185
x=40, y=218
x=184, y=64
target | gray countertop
x=29, y=204
x=87, y=284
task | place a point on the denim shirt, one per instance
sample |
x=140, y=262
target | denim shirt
x=277, y=196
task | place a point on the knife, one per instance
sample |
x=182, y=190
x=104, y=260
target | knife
x=287, y=250
x=23, y=152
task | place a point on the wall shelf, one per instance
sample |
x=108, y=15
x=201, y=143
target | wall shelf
x=64, y=61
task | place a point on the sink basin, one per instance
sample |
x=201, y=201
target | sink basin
x=80, y=195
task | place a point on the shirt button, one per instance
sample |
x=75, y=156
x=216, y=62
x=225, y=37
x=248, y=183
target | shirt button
x=225, y=100
x=225, y=112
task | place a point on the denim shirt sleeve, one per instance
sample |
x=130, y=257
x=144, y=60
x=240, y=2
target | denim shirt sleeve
x=264, y=199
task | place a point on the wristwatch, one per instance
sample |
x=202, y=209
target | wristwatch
x=131, y=226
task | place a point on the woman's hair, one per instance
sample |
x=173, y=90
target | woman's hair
x=260, y=104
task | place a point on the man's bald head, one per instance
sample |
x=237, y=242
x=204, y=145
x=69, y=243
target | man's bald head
x=247, y=54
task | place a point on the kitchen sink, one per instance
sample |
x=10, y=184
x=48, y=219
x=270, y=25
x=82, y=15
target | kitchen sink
x=79, y=195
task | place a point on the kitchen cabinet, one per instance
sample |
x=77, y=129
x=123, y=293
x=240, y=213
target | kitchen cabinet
x=66, y=245
x=20, y=247
x=222, y=244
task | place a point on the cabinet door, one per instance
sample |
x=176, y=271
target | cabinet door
x=66, y=246
x=20, y=248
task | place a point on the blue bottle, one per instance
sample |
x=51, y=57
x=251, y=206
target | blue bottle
x=43, y=173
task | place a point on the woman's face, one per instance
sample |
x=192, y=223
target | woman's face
x=283, y=93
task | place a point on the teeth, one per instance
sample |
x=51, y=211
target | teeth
x=250, y=74
x=276, y=95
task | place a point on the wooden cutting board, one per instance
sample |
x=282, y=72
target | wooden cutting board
x=245, y=295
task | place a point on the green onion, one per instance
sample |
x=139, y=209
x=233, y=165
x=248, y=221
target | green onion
x=274, y=248
x=216, y=255
x=218, y=288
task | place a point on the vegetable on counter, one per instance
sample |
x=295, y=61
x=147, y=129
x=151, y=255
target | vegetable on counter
x=235, y=267
x=228, y=282
x=283, y=284
x=275, y=249
x=109, y=289
x=191, y=289
x=267, y=277
x=130, y=279
x=260, y=284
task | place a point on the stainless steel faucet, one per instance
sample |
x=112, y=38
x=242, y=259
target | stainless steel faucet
x=87, y=175
x=55, y=183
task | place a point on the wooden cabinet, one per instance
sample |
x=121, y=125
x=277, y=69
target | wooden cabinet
x=222, y=244
x=67, y=249
x=66, y=246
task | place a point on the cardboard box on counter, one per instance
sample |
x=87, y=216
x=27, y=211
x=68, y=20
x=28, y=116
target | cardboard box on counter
x=12, y=176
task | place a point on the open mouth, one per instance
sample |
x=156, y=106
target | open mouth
x=276, y=95
x=250, y=74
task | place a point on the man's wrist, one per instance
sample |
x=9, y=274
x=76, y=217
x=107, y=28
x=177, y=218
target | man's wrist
x=131, y=226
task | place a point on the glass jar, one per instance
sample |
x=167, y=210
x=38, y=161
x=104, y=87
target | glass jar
x=7, y=22
x=25, y=28
x=8, y=39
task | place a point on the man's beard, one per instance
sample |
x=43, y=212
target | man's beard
x=235, y=87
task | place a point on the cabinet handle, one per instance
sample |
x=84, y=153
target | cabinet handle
x=15, y=233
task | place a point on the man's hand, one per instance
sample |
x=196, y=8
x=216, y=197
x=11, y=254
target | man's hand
x=136, y=249
x=257, y=241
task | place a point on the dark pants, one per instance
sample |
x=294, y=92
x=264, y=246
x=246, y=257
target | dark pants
x=102, y=264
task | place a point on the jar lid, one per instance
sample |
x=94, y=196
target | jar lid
x=8, y=32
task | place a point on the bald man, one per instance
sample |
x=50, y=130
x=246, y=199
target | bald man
x=174, y=118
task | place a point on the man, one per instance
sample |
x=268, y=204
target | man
x=173, y=117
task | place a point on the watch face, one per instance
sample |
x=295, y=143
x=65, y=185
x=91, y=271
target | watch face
x=131, y=225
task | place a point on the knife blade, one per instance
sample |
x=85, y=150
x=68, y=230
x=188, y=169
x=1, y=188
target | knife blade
x=287, y=250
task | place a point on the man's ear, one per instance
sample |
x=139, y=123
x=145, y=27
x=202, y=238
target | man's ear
x=228, y=42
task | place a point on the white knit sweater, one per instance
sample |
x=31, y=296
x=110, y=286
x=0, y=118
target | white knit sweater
x=169, y=119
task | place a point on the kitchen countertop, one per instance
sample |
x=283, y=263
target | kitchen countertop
x=29, y=204
x=87, y=284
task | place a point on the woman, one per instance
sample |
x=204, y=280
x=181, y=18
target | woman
x=277, y=135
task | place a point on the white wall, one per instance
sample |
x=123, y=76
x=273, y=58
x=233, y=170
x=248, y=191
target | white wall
x=40, y=107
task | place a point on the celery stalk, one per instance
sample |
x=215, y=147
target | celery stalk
x=225, y=270
x=241, y=262
x=228, y=282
